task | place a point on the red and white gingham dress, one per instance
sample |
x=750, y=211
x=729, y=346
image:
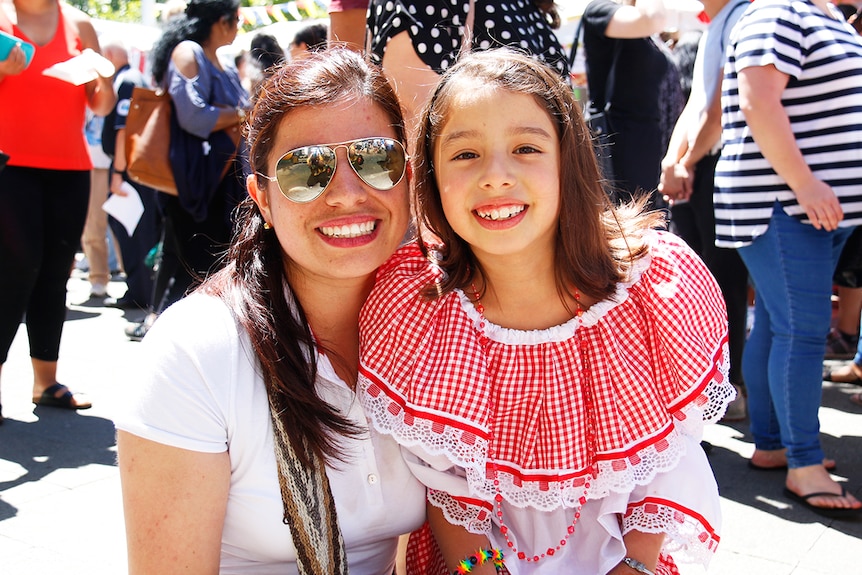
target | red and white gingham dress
x=641, y=372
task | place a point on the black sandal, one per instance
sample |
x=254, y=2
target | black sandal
x=50, y=399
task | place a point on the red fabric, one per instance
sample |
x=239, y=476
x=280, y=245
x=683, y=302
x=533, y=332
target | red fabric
x=643, y=361
x=423, y=555
x=512, y=408
x=42, y=118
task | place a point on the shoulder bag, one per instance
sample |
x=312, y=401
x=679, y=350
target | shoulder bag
x=148, y=141
x=599, y=120
x=148, y=137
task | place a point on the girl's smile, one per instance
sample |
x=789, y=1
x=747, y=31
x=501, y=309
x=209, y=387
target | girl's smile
x=497, y=165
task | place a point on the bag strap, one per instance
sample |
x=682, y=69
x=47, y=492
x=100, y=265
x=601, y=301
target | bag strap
x=609, y=84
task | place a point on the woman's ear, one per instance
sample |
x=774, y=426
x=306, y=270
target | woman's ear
x=260, y=197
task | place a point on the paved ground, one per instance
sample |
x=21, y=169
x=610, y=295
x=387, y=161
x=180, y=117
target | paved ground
x=60, y=510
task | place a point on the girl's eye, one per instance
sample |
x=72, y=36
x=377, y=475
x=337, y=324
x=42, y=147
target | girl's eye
x=465, y=156
x=526, y=149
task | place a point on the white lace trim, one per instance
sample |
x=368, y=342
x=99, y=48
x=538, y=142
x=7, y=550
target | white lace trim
x=466, y=445
x=687, y=535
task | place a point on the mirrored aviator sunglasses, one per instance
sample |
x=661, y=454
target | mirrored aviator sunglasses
x=303, y=174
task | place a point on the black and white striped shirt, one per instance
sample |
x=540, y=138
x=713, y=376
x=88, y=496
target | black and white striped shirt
x=823, y=99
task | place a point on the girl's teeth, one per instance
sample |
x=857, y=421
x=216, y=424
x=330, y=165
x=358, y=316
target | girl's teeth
x=502, y=213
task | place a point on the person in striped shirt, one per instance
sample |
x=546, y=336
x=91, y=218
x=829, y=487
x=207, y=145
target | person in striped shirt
x=787, y=197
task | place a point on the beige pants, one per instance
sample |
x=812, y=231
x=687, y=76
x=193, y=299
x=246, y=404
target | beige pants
x=94, y=239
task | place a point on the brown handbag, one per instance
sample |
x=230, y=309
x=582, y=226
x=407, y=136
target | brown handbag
x=148, y=140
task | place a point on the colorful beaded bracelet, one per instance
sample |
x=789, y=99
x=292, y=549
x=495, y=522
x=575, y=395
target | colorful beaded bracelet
x=481, y=557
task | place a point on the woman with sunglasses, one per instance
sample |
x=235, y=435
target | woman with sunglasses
x=242, y=448
x=208, y=99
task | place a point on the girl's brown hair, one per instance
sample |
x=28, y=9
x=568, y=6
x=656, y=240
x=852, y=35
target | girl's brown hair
x=596, y=242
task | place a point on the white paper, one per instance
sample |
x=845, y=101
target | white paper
x=83, y=68
x=126, y=209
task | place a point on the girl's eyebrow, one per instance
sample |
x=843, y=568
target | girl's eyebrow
x=516, y=131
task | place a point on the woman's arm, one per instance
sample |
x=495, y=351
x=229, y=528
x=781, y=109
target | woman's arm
x=100, y=92
x=174, y=502
x=644, y=18
x=760, y=91
x=184, y=61
x=643, y=547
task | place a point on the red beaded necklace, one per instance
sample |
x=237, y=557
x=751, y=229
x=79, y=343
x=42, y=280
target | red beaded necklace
x=591, y=434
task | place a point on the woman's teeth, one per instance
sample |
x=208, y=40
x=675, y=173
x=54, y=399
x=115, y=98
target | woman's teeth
x=351, y=231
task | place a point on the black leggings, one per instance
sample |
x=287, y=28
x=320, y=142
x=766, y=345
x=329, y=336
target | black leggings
x=42, y=215
x=695, y=223
x=191, y=250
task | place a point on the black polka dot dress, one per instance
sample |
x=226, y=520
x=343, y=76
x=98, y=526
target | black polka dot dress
x=436, y=28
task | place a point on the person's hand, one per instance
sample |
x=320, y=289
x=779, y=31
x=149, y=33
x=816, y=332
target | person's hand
x=821, y=205
x=100, y=65
x=675, y=183
x=117, y=184
x=14, y=64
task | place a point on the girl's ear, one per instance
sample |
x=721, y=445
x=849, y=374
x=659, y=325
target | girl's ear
x=260, y=197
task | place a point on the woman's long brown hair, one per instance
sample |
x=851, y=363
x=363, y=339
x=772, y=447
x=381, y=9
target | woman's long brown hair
x=253, y=283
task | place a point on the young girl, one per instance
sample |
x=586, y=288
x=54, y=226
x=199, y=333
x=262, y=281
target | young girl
x=549, y=366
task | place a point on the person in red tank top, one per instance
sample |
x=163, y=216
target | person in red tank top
x=45, y=186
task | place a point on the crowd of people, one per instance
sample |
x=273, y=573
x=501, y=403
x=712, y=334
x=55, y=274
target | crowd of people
x=399, y=319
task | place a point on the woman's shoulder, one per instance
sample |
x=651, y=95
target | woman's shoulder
x=186, y=58
x=82, y=24
x=198, y=318
x=599, y=11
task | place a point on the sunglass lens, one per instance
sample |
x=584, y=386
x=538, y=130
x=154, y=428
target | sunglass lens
x=379, y=162
x=303, y=173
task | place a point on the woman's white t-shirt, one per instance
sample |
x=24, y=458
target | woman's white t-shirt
x=196, y=386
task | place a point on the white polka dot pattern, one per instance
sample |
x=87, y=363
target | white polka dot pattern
x=436, y=29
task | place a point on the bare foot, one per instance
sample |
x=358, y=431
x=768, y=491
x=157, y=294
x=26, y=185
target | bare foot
x=777, y=459
x=815, y=479
x=850, y=373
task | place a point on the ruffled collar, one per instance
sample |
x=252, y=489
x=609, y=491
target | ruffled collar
x=557, y=333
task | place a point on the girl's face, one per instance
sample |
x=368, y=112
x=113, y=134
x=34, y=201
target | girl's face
x=352, y=228
x=497, y=163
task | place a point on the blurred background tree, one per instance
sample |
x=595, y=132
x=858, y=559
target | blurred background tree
x=119, y=10
x=129, y=10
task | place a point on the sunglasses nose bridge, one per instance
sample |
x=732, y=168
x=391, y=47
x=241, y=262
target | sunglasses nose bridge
x=348, y=160
x=350, y=183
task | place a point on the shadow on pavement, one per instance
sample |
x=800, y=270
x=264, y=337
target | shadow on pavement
x=763, y=490
x=60, y=439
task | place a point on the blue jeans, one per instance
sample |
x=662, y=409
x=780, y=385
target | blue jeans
x=791, y=266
